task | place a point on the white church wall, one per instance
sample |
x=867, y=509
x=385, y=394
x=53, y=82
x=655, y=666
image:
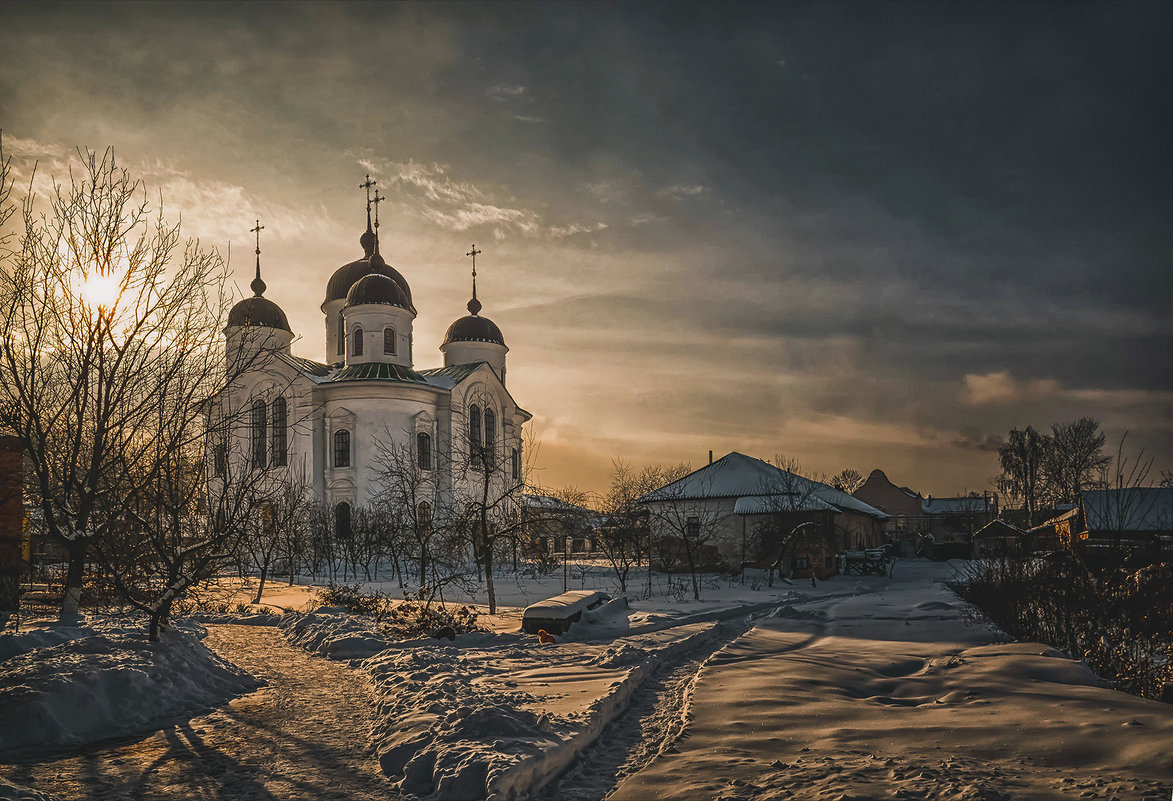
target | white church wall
x=372, y=319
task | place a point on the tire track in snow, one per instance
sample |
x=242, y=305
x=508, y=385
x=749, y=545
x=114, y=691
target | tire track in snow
x=653, y=720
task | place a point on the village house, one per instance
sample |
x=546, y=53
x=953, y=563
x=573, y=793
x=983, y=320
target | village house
x=950, y=522
x=749, y=512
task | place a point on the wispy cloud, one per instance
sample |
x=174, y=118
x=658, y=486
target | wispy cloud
x=1002, y=387
x=560, y=231
x=682, y=191
x=504, y=92
x=529, y=119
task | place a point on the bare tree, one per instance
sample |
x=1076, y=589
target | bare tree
x=282, y=516
x=847, y=480
x=1023, y=460
x=1075, y=457
x=686, y=522
x=109, y=347
x=411, y=491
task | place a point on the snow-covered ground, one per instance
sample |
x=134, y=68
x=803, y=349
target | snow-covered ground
x=857, y=688
x=67, y=685
x=893, y=692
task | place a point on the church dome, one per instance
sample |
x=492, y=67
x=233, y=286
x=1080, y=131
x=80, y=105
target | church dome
x=377, y=288
x=473, y=328
x=258, y=311
x=348, y=275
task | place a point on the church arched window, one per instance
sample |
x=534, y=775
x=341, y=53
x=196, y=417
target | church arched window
x=258, y=433
x=341, y=336
x=474, y=434
x=515, y=462
x=423, y=451
x=342, y=448
x=280, y=432
x=424, y=517
x=490, y=436
x=356, y=350
x=342, y=521
x=389, y=341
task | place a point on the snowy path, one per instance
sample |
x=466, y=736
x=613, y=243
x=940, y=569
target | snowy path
x=303, y=736
x=892, y=694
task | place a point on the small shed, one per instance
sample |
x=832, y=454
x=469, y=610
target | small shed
x=999, y=538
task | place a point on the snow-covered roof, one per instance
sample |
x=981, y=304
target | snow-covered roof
x=953, y=506
x=315, y=371
x=767, y=504
x=550, y=503
x=1070, y=513
x=450, y=376
x=998, y=528
x=1130, y=509
x=736, y=475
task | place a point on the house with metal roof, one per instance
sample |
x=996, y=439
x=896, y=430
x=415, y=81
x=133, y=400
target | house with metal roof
x=323, y=424
x=750, y=512
x=1134, y=517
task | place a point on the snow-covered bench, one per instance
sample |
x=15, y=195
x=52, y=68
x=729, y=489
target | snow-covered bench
x=873, y=561
x=555, y=615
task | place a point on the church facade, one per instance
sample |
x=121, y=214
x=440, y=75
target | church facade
x=332, y=426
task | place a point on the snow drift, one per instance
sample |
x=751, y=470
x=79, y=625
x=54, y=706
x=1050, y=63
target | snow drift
x=62, y=686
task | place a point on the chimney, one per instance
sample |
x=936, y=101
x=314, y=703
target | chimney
x=710, y=456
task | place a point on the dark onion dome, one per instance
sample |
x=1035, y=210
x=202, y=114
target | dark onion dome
x=474, y=329
x=377, y=288
x=258, y=311
x=348, y=275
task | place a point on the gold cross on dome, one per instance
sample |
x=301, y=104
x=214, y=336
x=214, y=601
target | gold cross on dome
x=367, y=184
x=474, y=253
x=257, y=230
x=377, y=200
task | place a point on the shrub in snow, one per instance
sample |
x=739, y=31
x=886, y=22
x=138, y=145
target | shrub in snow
x=110, y=680
x=401, y=619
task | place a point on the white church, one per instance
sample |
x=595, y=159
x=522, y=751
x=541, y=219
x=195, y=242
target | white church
x=323, y=424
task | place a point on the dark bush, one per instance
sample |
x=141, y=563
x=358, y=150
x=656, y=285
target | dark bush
x=1118, y=620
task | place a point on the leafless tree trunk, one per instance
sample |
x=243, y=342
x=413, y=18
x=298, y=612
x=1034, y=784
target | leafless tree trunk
x=109, y=348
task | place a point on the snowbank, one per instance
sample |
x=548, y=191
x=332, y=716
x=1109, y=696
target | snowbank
x=338, y=634
x=73, y=685
x=14, y=792
x=472, y=723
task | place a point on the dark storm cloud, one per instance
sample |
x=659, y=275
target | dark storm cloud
x=948, y=217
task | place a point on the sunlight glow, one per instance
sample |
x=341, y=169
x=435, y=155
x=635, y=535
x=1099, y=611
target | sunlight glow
x=101, y=291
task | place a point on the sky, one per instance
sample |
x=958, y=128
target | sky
x=853, y=235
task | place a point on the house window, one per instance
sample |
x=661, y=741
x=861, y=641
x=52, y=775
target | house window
x=515, y=462
x=389, y=341
x=356, y=350
x=423, y=451
x=342, y=448
x=342, y=521
x=474, y=434
x=280, y=432
x=802, y=562
x=220, y=460
x=829, y=562
x=490, y=436
x=258, y=434
x=693, y=527
x=341, y=336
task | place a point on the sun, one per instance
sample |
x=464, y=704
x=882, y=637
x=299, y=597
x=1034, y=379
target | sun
x=101, y=291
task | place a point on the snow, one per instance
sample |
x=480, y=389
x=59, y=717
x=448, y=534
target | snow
x=891, y=690
x=854, y=688
x=467, y=723
x=69, y=685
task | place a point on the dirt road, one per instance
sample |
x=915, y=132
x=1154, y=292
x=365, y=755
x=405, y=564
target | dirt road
x=302, y=736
